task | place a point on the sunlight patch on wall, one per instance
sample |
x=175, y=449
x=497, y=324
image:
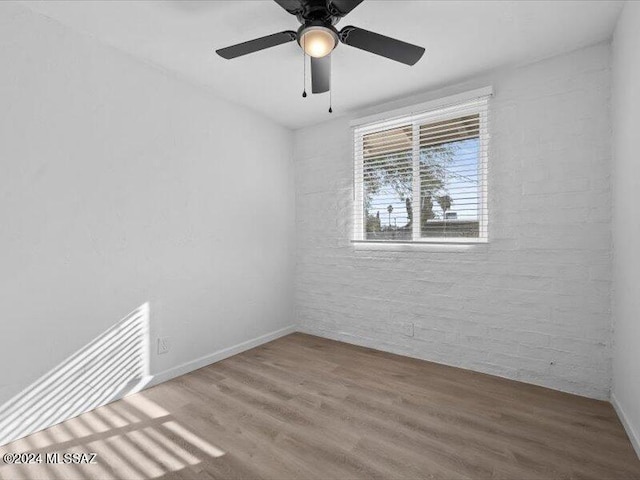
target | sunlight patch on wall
x=114, y=364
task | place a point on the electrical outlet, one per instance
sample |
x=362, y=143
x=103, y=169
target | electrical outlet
x=407, y=329
x=163, y=345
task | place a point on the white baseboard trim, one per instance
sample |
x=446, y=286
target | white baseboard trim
x=376, y=344
x=214, y=357
x=631, y=432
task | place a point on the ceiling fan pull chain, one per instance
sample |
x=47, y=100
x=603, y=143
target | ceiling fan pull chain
x=304, y=71
x=330, y=92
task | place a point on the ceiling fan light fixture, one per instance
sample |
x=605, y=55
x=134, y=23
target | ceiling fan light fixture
x=318, y=41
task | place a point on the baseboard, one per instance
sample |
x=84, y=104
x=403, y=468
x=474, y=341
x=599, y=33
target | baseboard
x=631, y=432
x=205, y=360
x=376, y=344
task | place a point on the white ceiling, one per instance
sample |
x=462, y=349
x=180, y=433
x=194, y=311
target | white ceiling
x=462, y=38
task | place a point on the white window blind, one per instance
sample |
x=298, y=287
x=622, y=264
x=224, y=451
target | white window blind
x=423, y=177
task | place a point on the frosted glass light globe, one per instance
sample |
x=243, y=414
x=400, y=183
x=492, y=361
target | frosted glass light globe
x=318, y=42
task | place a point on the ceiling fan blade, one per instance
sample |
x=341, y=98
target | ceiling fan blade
x=257, y=44
x=381, y=45
x=320, y=74
x=343, y=7
x=294, y=7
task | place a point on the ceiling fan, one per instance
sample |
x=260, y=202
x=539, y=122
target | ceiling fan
x=317, y=36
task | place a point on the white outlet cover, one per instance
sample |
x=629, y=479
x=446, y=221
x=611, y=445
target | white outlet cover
x=408, y=329
x=163, y=345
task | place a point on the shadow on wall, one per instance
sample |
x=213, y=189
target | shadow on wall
x=112, y=365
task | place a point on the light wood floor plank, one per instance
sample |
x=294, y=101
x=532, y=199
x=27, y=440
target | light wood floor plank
x=306, y=407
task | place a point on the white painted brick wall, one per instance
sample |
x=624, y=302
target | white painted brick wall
x=534, y=303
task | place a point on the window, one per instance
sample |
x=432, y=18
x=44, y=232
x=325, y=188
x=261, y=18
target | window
x=423, y=177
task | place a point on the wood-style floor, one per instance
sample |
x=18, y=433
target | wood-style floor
x=303, y=407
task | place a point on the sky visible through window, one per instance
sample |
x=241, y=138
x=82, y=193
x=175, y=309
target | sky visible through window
x=461, y=184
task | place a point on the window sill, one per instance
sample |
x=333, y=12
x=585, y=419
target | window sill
x=433, y=246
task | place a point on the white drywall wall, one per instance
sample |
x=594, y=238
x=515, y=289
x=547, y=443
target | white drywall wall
x=626, y=219
x=121, y=186
x=533, y=304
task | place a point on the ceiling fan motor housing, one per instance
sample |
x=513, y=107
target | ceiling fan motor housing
x=318, y=10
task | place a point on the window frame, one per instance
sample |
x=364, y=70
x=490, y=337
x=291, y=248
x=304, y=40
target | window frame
x=443, y=109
